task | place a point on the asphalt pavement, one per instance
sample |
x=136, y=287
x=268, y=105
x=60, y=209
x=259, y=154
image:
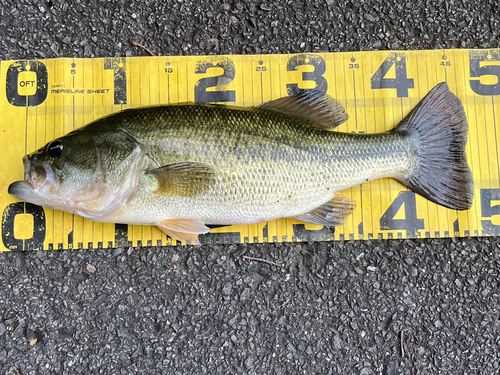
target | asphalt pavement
x=389, y=307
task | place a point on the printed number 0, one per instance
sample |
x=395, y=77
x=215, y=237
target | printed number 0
x=8, y=218
x=12, y=83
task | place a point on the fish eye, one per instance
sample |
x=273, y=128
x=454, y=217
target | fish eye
x=55, y=149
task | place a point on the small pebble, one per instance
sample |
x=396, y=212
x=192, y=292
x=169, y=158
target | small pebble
x=91, y=268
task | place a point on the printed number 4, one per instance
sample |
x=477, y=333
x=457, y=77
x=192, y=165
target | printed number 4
x=410, y=223
x=401, y=83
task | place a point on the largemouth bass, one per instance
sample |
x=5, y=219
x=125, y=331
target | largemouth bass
x=183, y=167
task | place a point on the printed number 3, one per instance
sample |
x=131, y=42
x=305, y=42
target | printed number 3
x=316, y=75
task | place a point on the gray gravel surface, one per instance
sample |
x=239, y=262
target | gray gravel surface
x=334, y=308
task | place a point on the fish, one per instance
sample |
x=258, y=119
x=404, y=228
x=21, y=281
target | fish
x=188, y=167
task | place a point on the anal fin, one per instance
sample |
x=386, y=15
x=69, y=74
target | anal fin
x=184, y=230
x=333, y=213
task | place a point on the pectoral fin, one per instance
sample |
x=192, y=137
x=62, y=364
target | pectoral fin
x=184, y=230
x=332, y=213
x=182, y=179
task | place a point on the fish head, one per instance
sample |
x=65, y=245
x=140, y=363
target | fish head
x=86, y=173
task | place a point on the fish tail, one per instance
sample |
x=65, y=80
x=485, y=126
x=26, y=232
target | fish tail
x=437, y=128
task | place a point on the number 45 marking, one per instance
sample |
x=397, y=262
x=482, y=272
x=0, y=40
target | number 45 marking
x=401, y=82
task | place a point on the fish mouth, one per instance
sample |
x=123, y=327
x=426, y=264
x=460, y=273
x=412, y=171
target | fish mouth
x=38, y=176
x=21, y=190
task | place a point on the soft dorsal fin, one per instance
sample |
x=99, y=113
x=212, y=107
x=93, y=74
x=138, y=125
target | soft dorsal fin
x=333, y=213
x=183, y=179
x=323, y=111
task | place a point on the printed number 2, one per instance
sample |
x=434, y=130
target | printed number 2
x=401, y=83
x=477, y=71
x=201, y=95
x=410, y=223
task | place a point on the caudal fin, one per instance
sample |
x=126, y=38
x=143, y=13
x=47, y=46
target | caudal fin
x=438, y=129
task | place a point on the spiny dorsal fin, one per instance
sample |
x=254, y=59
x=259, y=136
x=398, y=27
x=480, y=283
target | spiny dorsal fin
x=332, y=213
x=184, y=230
x=322, y=110
x=183, y=179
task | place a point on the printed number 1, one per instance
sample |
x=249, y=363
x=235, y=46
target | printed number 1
x=118, y=66
x=401, y=83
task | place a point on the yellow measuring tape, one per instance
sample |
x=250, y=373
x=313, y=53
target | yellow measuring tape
x=44, y=99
